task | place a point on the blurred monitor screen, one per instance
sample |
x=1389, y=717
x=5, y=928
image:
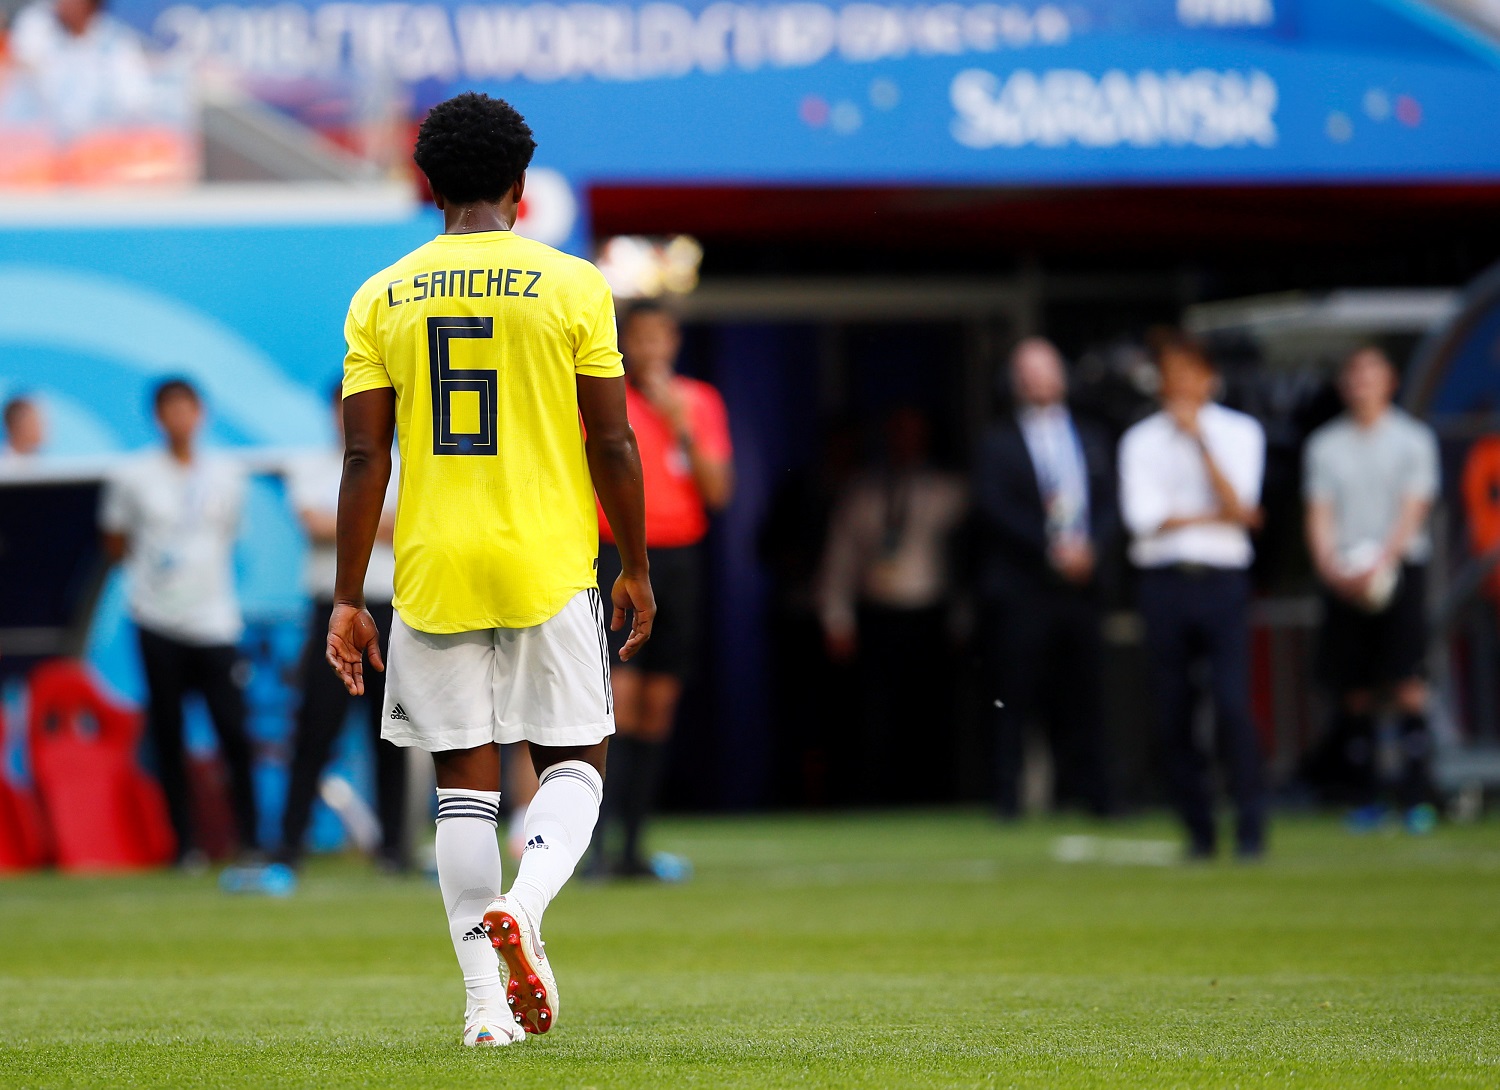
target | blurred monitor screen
x=52, y=565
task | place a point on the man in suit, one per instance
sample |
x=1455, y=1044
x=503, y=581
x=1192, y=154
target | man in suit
x=1044, y=494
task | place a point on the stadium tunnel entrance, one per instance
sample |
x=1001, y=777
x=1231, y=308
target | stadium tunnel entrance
x=823, y=308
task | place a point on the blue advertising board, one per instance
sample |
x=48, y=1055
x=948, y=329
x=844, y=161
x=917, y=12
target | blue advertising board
x=968, y=92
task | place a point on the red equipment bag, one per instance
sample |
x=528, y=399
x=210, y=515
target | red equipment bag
x=23, y=832
x=105, y=813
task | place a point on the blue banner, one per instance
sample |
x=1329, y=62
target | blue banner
x=968, y=93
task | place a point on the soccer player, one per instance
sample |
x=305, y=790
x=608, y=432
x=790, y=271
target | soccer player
x=481, y=349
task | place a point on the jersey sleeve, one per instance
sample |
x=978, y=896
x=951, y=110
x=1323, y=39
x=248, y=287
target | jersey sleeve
x=363, y=367
x=711, y=425
x=596, y=350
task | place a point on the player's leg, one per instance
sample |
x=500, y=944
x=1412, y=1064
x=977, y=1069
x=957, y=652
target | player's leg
x=438, y=698
x=468, y=860
x=319, y=717
x=162, y=663
x=220, y=675
x=559, y=823
x=552, y=686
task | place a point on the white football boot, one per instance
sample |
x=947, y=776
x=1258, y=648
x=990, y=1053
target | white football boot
x=532, y=989
x=487, y=1029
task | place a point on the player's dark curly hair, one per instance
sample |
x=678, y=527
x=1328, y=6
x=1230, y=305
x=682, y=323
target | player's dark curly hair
x=473, y=147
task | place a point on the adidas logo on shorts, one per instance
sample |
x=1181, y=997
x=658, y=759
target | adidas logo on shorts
x=398, y=712
x=535, y=842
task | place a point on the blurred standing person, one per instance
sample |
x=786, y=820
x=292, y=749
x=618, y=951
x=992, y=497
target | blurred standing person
x=25, y=429
x=314, y=488
x=1371, y=476
x=1190, y=480
x=883, y=597
x=1044, y=497
x=172, y=516
x=687, y=469
x=88, y=66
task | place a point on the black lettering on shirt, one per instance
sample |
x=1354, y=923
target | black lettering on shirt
x=535, y=276
x=510, y=278
x=492, y=282
x=473, y=273
x=456, y=283
x=439, y=283
x=419, y=283
x=390, y=299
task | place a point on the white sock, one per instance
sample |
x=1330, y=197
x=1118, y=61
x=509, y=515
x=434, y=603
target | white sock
x=468, y=864
x=559, y=823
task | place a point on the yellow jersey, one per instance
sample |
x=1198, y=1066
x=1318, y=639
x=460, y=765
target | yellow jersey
x=481, y=336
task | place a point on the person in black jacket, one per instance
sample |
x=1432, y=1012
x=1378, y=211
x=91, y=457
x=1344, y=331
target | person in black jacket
x=1044, y=496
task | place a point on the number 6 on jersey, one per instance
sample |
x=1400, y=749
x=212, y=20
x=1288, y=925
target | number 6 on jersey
x=463, y=401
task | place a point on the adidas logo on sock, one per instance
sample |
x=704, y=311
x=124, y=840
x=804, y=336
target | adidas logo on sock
x=535, y=842
x=398, y=712
x=476, y=932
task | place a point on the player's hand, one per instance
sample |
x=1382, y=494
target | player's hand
x=351, y=636
x=633, y=595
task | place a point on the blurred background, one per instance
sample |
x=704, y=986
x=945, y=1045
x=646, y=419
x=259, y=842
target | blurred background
x=855, y=208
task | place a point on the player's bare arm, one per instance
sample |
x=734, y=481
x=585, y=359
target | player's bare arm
x=615, y=465
x=369, y=424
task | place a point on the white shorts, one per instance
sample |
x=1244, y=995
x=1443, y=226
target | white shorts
x=548, y=684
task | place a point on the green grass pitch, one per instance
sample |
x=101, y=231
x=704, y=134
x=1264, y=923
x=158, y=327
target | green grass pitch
x=855, y=951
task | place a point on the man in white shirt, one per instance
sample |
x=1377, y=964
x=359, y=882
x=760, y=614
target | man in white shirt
x=1371, y=476
x=1190, y=480
x=172, y=516
x=313, y=487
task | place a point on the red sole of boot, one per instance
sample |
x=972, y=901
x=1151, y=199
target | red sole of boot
x=526, y=994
